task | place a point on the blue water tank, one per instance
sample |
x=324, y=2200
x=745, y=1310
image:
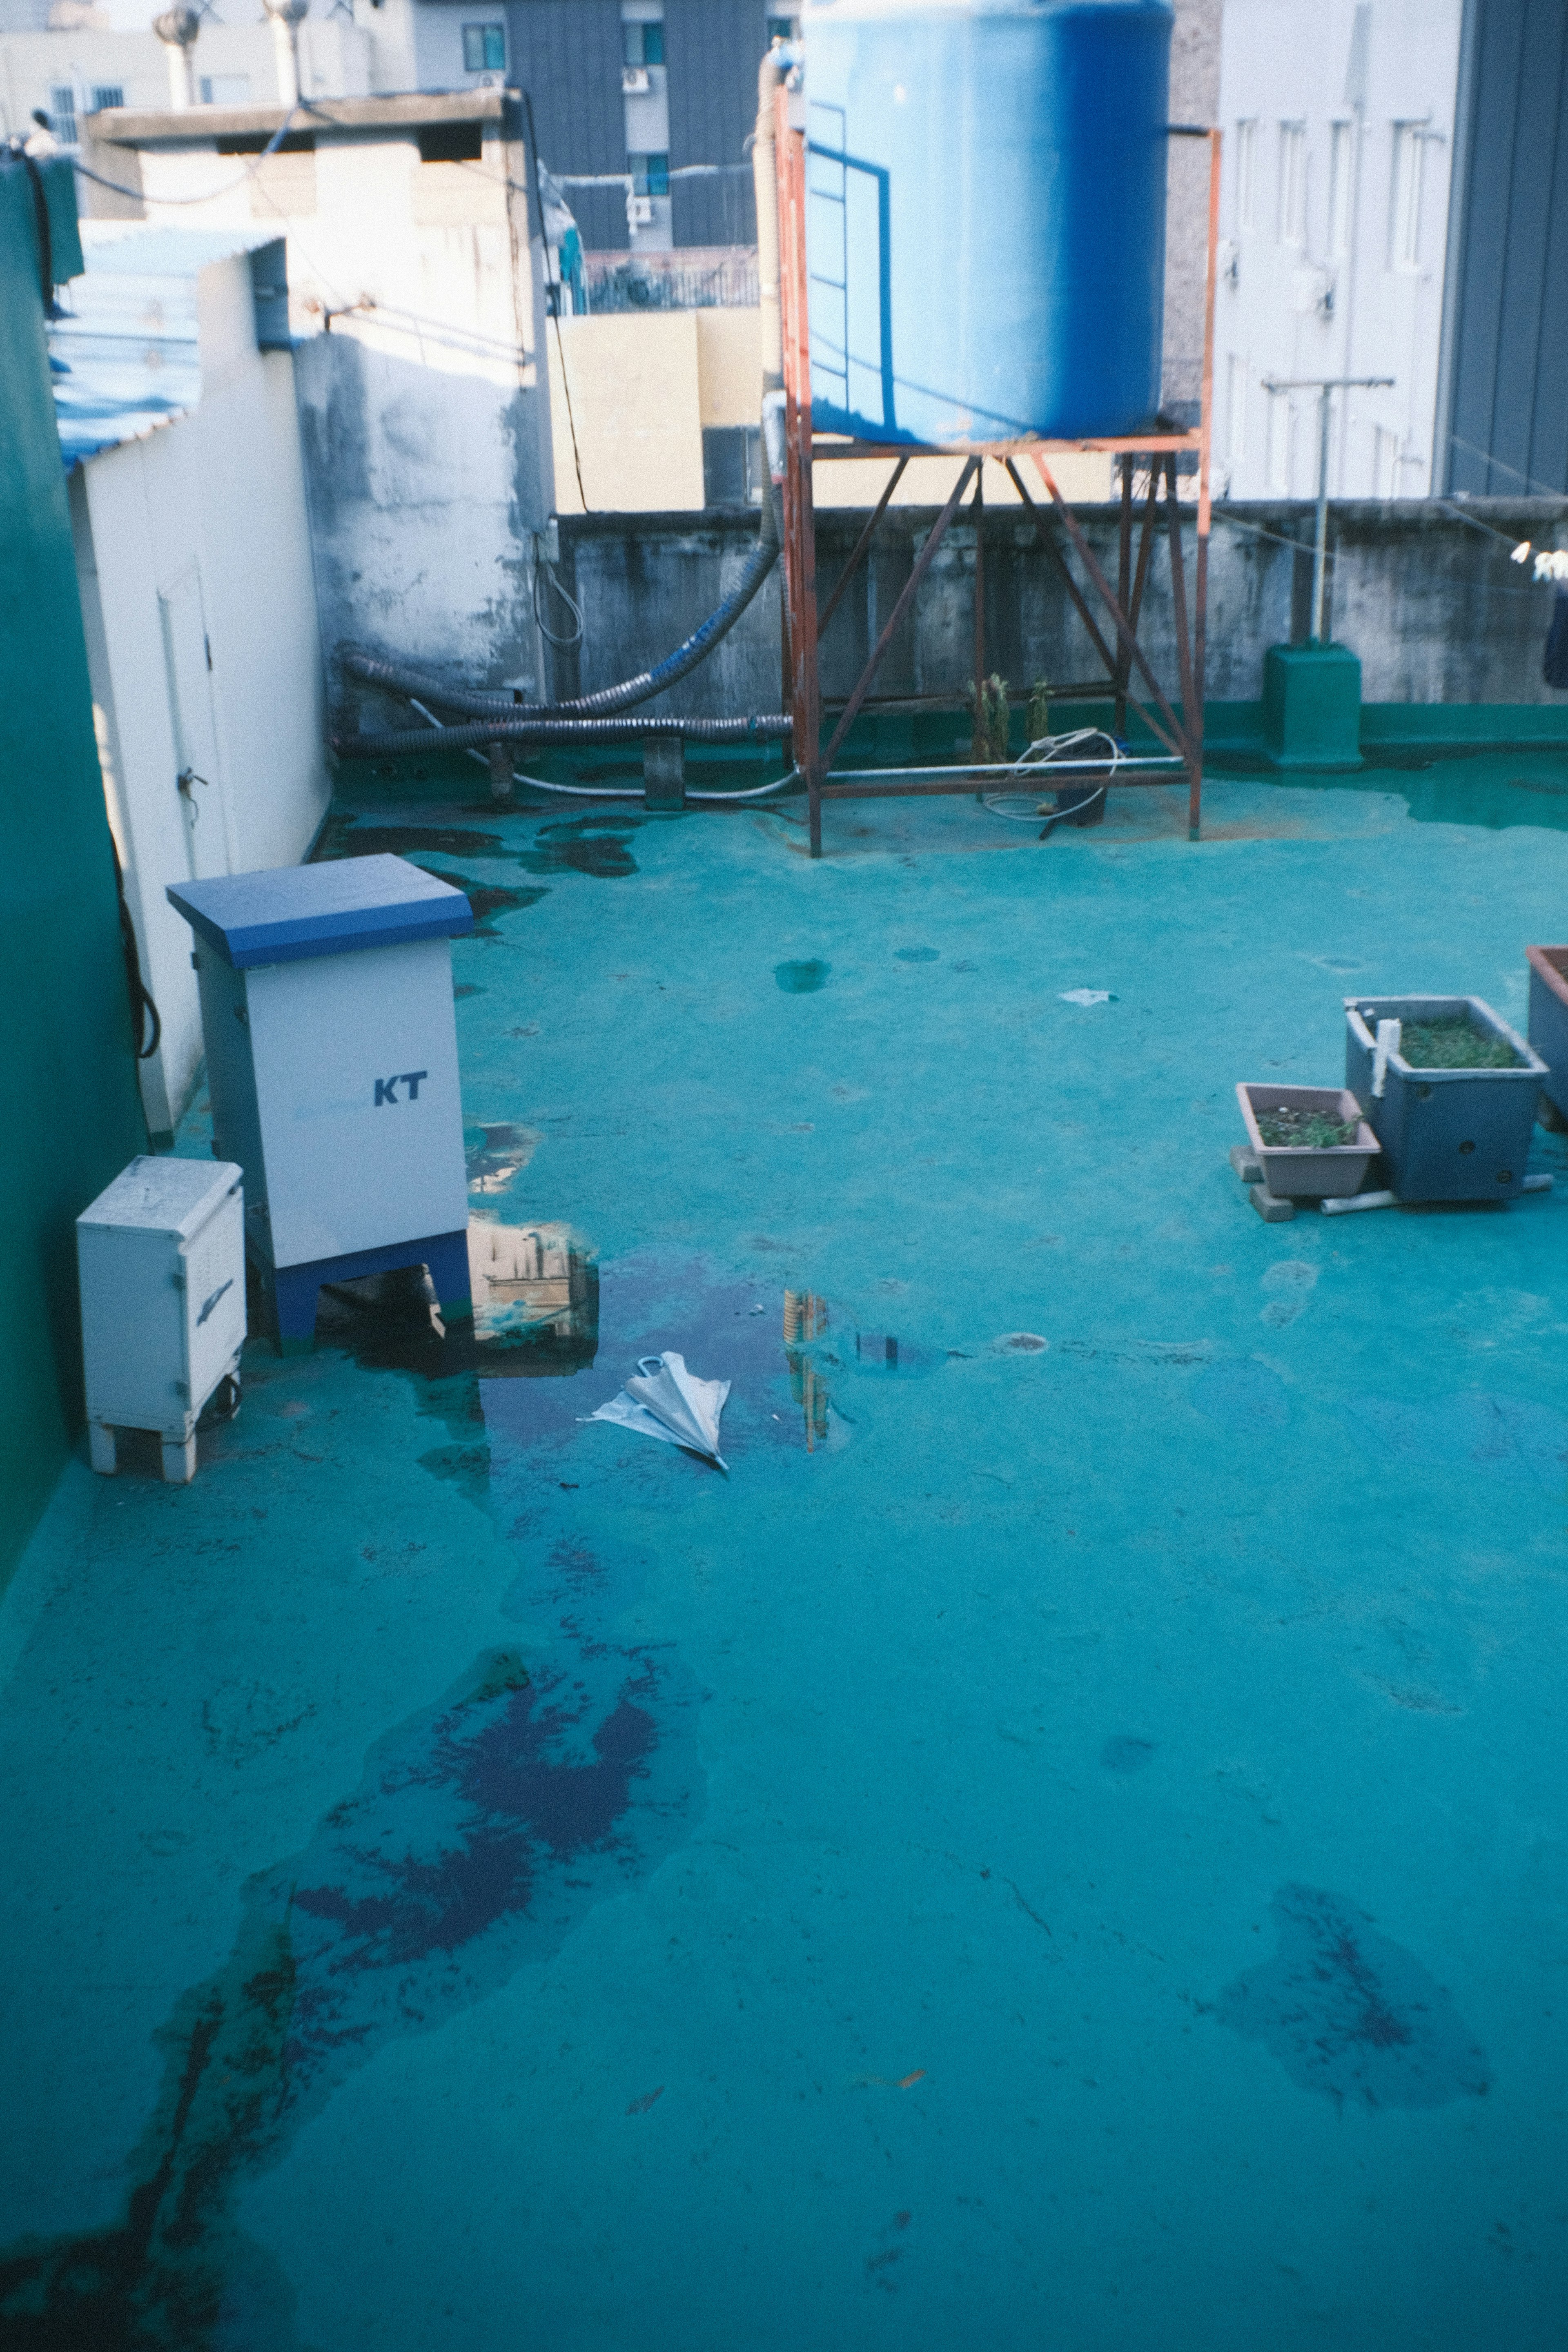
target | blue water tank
x=985, y=215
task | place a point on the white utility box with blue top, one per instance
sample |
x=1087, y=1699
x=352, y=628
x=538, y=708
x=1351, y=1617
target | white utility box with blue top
x=161, y=1259
x=331, y=1049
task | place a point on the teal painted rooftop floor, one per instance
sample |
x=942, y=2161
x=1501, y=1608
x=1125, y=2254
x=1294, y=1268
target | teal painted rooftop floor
x=1074, y=1855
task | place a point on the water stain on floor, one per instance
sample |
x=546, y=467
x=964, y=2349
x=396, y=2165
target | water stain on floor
x=343, y=836
x=596, y=846
x=802, y=978
x=1512, y=1438
x=482, y=1832
x=1350, y=2014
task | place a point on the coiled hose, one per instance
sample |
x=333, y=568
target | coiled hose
x=609, y=699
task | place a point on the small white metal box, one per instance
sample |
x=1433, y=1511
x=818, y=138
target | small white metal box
x=161, y=1258
x=333, y=1063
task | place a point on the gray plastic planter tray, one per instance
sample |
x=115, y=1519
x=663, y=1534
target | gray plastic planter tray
x=1295, y=1171
x=1447, y=1135
x=1549, y=1020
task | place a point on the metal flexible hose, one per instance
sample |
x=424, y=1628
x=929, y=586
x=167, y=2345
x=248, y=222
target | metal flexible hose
x=520, y=726
x=609, y=699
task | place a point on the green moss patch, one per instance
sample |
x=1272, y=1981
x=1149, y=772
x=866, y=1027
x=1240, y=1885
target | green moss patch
x=1303, y=1130
x=1454, y=1044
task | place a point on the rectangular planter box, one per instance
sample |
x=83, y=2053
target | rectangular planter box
x=1447, y=1135
x=1295, y=1171
x=1549, y=1020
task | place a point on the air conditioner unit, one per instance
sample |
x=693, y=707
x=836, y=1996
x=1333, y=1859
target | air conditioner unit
x=639, y=211
x=634, y=82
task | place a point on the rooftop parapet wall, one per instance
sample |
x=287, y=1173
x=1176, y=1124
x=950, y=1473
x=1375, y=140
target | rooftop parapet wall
x=1421, y=590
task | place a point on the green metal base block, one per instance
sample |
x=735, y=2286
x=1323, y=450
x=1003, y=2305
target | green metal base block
x=1312, y=707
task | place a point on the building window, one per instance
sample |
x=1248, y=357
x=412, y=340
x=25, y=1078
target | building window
x=62, y=115
x=1281, y=436
x=650, y=175
x=1236, y=408
x=106, y=93
x=1341, y=152
x=782, y=28
x=451, y=143
x=1246, y=177
x=1404, y=195
x=484, y=48
x=644, y=44
x=1293, y=184
x=225, y=90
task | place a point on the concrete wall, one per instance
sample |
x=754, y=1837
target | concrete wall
x=426, y=426
x=201, y=531
x=1431, y=604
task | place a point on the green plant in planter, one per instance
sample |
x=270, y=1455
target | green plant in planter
x=1454, y=1045
x=1304, y=1130
x=991, y=720
x=1039, y=709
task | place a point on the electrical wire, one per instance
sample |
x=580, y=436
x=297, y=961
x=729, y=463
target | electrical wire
x=1040, y=754
x=564, y=645
x=559, y=346
x=238, y=182
x=142, y=1007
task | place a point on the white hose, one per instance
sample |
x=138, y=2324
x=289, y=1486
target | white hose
x=1040, y=753
x=636, y=791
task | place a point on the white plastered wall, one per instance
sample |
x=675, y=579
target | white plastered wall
x=1329, y=304
x=218, y=493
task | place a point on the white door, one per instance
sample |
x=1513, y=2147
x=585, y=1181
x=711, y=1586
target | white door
x=187, y=659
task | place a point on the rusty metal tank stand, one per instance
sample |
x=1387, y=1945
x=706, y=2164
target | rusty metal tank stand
x=1180, y=732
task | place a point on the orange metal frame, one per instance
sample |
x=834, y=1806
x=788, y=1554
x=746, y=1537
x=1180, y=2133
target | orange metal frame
x=1180, y=733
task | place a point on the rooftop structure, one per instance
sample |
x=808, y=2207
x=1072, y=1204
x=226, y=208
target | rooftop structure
x=1048, y=1827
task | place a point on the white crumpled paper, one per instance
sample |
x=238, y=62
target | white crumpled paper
x=663, y=1400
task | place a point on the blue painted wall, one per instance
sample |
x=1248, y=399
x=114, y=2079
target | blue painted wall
x=73, y=1115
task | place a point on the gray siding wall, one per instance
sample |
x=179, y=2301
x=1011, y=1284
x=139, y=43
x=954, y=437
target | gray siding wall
x=712, y=49
x=1508, y=366
x=566, y=54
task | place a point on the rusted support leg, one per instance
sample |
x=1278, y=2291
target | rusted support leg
x=1123, y=596
x=975, y=750
x=1080, y=603
x=861, y=545
x=1200, y=650
x=1171, y=739
x=907, y=595
x=1192, y=716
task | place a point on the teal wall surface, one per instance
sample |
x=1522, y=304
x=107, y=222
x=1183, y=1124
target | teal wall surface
x=73, y=1113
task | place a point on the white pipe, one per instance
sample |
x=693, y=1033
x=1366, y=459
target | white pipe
x=286, y=46
x=177, y=28
x=1388, y=1036
x=764, y=179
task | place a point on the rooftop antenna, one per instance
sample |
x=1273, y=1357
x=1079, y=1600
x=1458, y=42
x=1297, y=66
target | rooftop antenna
x=1323, y=385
